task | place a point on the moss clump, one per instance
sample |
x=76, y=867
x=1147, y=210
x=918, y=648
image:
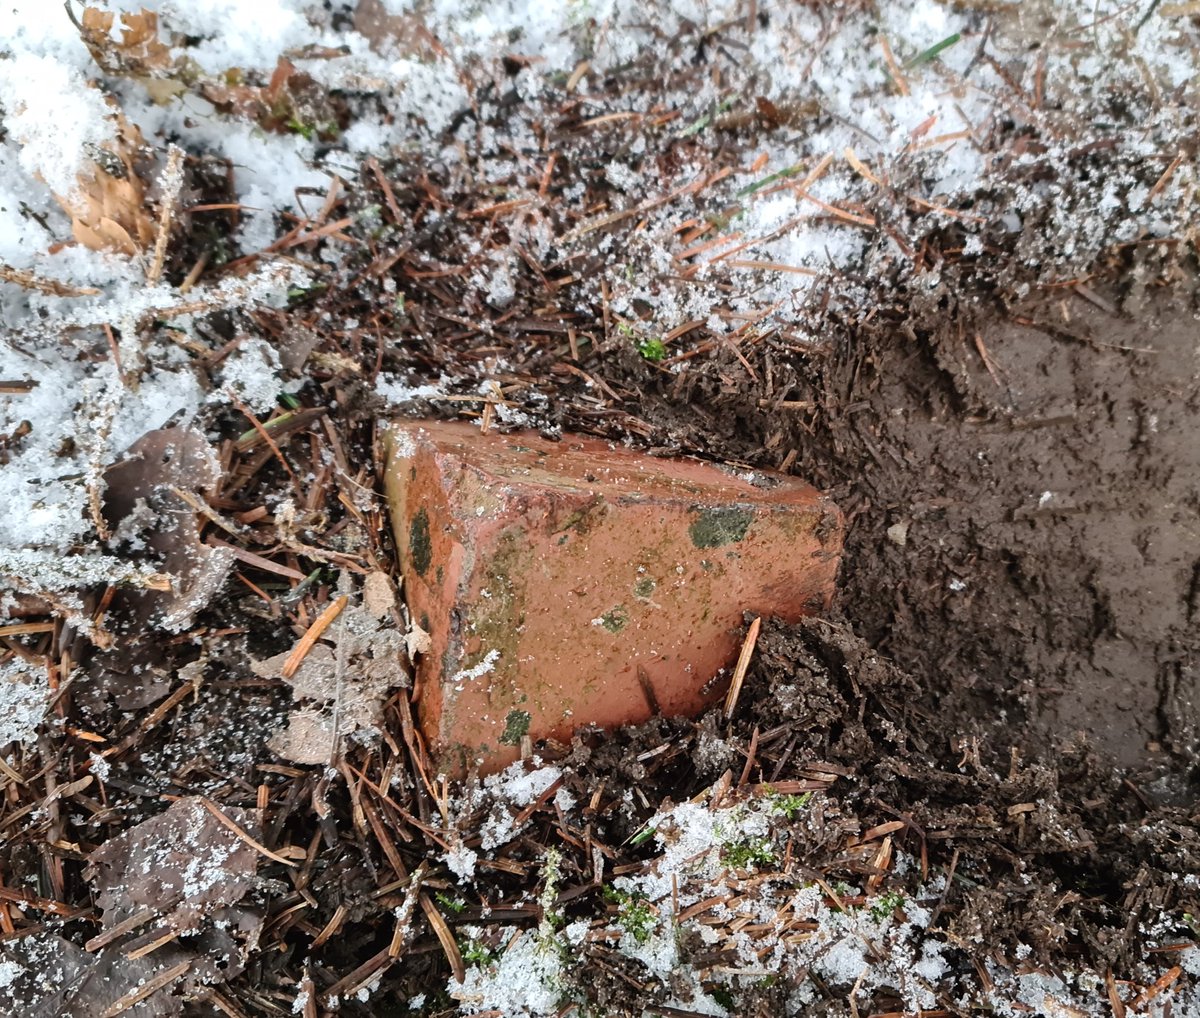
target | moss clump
x=751, y=852
x=516, y=727
x=420, y=549
x=635, y=915
x=714, y=527
x=615, y=619
x=644, y=587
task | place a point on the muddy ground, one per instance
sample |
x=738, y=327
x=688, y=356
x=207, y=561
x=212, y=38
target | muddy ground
x=1024, y=493
x=1009, y=671
x=1015, y=620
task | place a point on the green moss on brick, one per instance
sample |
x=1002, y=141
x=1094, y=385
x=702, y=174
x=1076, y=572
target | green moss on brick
x=615, y=619
x=420, y=548
x=644, y=587
x=714, y=527
x=516, y=727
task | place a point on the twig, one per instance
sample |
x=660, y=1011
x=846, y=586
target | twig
x=743, y=664
x=893, y=68
x=98, y=441
x=648, y=690
x=1166, y=175
x=146, y=989
x=257, y=425
x=159, y=938
x=449, y=944
x=26, y=629
x=205, y=510
x=343, y=644
x=799, y=270
x=171, y=183
x=1114, y=998
x=251, y=559
x=194, y=273
x=386, y=188
x=404, y=914
x=297, y=656
x=1150, y=992
x=139, y=918
x=51, y=287
x=227, y=821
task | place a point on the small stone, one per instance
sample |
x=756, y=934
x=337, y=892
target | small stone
x=898, y=533
x=574, y=583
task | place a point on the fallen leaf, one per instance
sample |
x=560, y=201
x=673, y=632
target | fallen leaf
x=308, y=738
x=140, y=506
x=108, y=211
x=292, y=102
x=50, y=977
x=343, y=681
x=138, y=51
x=417, y=641
x=144, y=512
x=379, y=596
x=392, y=34
x=182, y=865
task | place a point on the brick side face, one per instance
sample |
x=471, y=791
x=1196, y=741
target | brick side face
x=572, y=583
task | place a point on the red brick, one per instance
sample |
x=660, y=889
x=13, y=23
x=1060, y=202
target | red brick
x=560, y=581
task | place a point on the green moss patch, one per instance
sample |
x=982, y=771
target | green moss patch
x=714, y=527
x=615, y=619
x=420, y=549
x=516, y=727
x=644, y=587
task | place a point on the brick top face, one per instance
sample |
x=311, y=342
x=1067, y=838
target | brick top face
x=588, y=465
x=573, y=583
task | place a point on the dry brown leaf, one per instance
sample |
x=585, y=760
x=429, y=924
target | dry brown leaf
x=291, y=102
x=417, y=641
x=139, y=503
x=139, y=55
x=348, y=680
x=71, y=983
x=181, y=872
x=183, y=865
x=56, y=978
x=308, y=738
x=162, y=90
x=142, y=506
x=392, y=34
x=378, y=595
x=108, y=212
x=139, y=51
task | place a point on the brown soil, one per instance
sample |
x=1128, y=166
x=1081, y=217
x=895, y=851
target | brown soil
x=1016, y=615
x=1022, y=488
x=1025, y=502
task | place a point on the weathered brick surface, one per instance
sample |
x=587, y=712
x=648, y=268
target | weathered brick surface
x=575, y=582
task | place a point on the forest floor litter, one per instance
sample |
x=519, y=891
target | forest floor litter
x=937, y=259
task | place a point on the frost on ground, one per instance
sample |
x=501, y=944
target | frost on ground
x=884, y=124
x=722, y=885
x=24, y=695
x=672, y=178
